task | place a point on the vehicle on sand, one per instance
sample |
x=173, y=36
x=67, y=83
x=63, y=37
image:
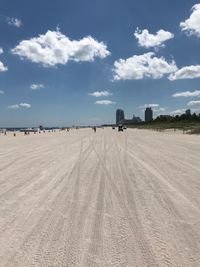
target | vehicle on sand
x=120, y=128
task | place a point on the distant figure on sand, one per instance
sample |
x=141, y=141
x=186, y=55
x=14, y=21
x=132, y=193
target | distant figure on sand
x=95, y=129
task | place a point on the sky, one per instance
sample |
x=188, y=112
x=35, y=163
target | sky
x=75, y=62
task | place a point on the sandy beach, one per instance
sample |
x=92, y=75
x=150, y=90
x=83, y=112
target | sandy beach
x=107, y=199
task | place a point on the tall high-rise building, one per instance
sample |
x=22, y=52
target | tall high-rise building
x=119, y=116
x=188, y=112
x=148, y=114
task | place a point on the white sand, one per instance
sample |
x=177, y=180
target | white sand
x=104, y=199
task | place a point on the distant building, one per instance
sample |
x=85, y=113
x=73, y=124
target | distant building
x=132, y=121
x=188, y=112
x=119, y=116
x=148, y=114
x=136, y=119
x=167, y=117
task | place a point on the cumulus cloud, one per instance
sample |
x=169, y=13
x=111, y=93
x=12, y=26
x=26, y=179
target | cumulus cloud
x=148, y=40
x=192, y=25
x=21, y=105
x=15, y=106
x=194, y=102
x=142, y=66
x=160, y=109
x=187, y=94
x=25, y=105
x=2, y=66
x=156, y=107
x=188, y=72
x=100, y=93
x=54, y=48
x=35, y=86
x=14, y=22
x=104, y=102
x=1, y=92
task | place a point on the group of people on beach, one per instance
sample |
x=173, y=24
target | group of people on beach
x=28, y=132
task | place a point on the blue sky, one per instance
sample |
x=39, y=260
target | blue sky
x=75, y=62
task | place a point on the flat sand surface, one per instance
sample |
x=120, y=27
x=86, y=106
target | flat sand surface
x=104, y=199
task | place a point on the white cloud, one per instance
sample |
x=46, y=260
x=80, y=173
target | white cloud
x=160, y=109
x=14, y=22
x=188, y=72
x=21, y=105
x=192, y=25
x=2, y=66
x=177, y=111
x=142, y=66
x=150, y=105
x=54, y=48
x=35, y=86
x=15, y=106
x=1, y=92
x=104, y=102
x=187, y=94
x=156, y=108
x=25, y=105
x=100, y=93
x=147, y=40
x=194, y=102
